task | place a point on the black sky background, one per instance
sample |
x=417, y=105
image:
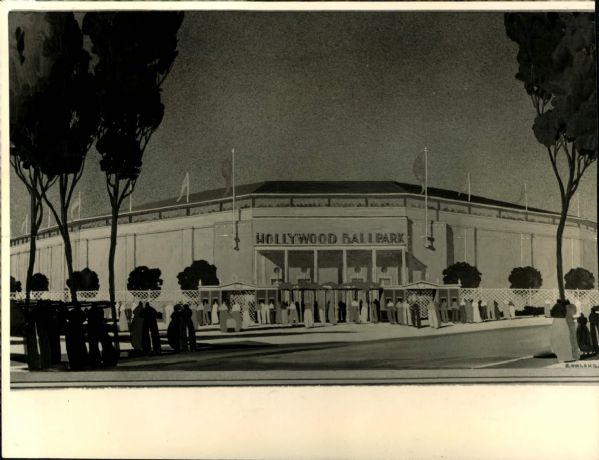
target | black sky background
x=341, y=96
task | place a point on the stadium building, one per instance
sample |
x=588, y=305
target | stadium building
x=325, y=232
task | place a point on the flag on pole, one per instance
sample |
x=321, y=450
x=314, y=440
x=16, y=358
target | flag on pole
x=227, y=173
x=419, y=170
x=76, y=206
x=523, y=199
x=184, y=189
x=24, y=225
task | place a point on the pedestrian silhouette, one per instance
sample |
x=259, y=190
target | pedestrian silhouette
x=174, y=330
x=188, y=324
x=594, y=325
x=98, y=337
x=150, y=334
x=75, y=339
x=583, y=335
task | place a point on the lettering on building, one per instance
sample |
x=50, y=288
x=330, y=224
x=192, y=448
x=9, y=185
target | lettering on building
x=315, y=239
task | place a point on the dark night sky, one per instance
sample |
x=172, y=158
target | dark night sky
x=342, y=96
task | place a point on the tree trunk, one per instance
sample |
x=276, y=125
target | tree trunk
x=111, y=255
x=32, y=246
x=558, y=246
x=68, y=251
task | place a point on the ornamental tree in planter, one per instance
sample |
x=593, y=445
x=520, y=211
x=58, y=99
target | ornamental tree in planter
x=15, y=285
x=199, y=271
x=39, y=282
x=85, y=280
x=463, y=273
x=525, y=278
x=143, y=278
x=579, y=278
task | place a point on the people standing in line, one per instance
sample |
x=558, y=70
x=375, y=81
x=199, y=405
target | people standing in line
x=434, y=317
x=150, y=334
x=188, y=323
x=390, y=312
x=98, y=336
x=443, y=311
x=259, y=312
x=406, y=317
x=583, y=336
x=309, y=315
x=376, y=310
x=462, y=311
x=274, y=313
x=512, y=310
x=415, y=314
x=173, y=332
x=354, y=315
x=342, y=311
x=75, y=339
x=222, y=312
x=594, y=327
x=136, y=328
x=484, y=311
x=293, y=309
x=331, y=312
x=246, y=320
x=455, y=311
x=206, y=320
x=265, y=313
x=322, y=317
x=363, y=306
x=214, y=313
x=494, y=312
x=469, y=311
x=285, y=313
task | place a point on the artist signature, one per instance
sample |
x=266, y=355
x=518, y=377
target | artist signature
x=591, y=365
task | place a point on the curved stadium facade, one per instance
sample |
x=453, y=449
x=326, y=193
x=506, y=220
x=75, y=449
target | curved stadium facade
x=320, y=231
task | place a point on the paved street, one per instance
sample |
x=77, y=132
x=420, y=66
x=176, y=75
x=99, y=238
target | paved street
x=377, y=349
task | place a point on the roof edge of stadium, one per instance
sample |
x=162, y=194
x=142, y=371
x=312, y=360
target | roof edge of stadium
x=335, y=188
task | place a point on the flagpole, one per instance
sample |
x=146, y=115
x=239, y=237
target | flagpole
x=426, y=195
x=525, y=197
x=187, y=181
x=130, y=198
x=577, y=205
x=468, y=186
x=235, y=237
x=79, y=207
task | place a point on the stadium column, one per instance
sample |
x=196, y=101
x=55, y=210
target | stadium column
x=373, y=271
x=404, y=267
x=286, y=266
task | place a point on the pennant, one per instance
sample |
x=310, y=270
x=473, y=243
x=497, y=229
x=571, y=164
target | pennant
x=227, y=173
x=419, y=170
x=76, y=206
x=184, y=189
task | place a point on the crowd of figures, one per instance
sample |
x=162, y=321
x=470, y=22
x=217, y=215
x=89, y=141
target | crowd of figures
x=88, y=344
x=569, y=341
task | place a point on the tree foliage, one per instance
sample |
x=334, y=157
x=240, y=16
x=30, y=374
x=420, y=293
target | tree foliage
x=143, y=278
x=84, y=280
x=557, y=64
x=464, y=273
x=200, y=270
x=525, y=278
x=135, y=51
x=15, y=285
x=39, y=282
x=579, y=278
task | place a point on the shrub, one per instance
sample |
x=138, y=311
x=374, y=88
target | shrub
x=39, y=282
x=199, y=270
x=15, y=285
x=579, y=278
x=464, y=273
x=143, y=278
x=525, y=278
x=85, y=280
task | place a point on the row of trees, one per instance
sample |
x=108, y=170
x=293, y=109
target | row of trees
x=141, y=278
x=520, y=277
x=201, y=272
x=61, y=105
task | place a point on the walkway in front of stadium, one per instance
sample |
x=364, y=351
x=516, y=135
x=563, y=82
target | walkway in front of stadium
x=494, y=351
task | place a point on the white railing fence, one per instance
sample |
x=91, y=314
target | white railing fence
x=165, y=300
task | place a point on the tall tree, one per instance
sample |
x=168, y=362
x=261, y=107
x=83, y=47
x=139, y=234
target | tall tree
x=135, y=52
x=557, y=64
x=29, y=69
x=68, y=120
